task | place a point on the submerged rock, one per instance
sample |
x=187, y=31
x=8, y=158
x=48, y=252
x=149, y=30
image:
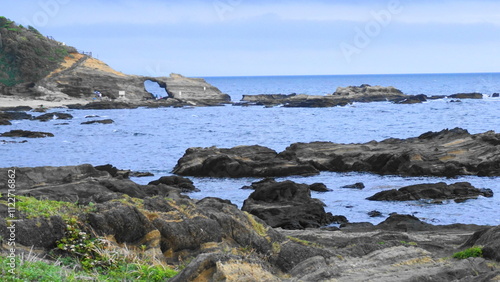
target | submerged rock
x=358, y=185
x=467, y=96
x=104, y=121
x=437, y=191
x=49, y=116
x=26, y=134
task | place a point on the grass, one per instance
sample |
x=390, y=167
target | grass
x=33, y=207
x=408, y=243
x=304, y=242
x=257, y=227
x=39, y=270
x=473, y=252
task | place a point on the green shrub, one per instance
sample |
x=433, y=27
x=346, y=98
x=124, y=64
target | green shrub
x=469, y=253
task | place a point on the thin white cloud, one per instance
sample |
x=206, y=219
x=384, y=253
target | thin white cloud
x=451, y=12
x=72, y=12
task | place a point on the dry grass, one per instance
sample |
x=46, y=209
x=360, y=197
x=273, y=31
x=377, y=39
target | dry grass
x=100, y=65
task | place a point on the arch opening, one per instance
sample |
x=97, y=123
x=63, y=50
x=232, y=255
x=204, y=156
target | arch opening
x=155, y=89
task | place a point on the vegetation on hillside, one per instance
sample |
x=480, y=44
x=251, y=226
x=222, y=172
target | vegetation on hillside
x=26, y=55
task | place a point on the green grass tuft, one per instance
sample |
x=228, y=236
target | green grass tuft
x=473, y=252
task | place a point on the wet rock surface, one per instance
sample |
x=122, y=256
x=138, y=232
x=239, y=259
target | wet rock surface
x=436, y=191
x=103, y=121
x=50, y=116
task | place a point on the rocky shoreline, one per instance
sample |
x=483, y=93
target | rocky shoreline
x=448, y=153
x=193, y=92
x=219, y=241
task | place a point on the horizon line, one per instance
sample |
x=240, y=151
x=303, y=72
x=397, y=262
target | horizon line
x=367, y=74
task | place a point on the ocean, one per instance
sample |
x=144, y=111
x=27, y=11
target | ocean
x=154, y=139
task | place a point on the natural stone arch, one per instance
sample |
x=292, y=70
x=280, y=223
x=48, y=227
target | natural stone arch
x=154, y=87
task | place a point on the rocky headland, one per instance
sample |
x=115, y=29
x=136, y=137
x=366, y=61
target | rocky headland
x=212, y=240
x=448, y=153
x=38, y=70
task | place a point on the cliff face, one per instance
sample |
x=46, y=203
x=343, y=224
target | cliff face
x=80, y=76
x=184, y=88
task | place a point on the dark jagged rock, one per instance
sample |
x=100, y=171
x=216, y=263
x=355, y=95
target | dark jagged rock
x=39, y=232
x=467, y=96
x=104, y=121
x=358, y=185
x=15, y=115
x=437, y=191
x=26, y=134
x=141, y=174
x=415, y=99
x=106, y=105
x=436, y=97
x=82, y=184
x=287, y=205
x=40, y=110
x=446, y=153
x=16, y=109
x=49, y=116
x=242, y=161
x=495, y=95
x=404, y=222
x=319, y=187
x=316, y=103
x=12, y=142
x=226, y=244
x=113, y=171
x=5, y=122
x=261, y=183
x=375, y=214
x=182, y=183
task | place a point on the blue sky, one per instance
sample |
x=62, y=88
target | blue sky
x=242, y=37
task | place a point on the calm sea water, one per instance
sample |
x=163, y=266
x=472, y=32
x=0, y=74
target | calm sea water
x=154, y=139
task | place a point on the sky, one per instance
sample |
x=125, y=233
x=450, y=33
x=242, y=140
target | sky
x=281, y=37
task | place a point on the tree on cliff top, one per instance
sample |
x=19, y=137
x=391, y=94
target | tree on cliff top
x=26, y=55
